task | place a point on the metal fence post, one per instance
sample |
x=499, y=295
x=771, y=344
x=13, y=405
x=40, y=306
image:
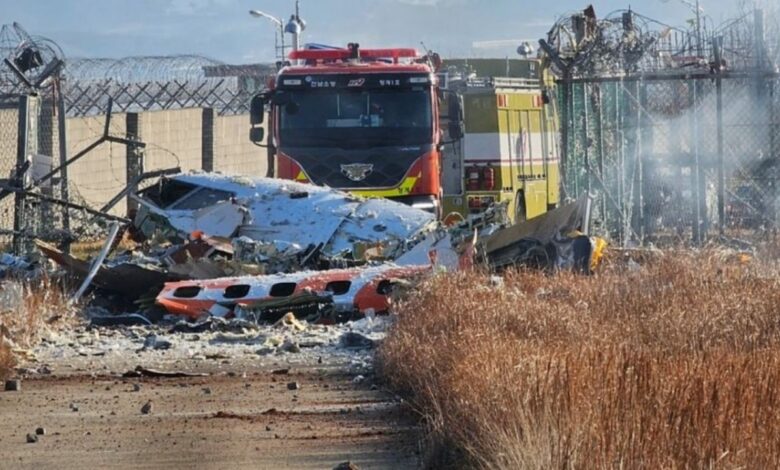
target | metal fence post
x=565, y=130
x=696, y=216
x=600, y=138
x=21, y=158
x=207, y=139
x=717, y=45
x=27, y=126
x=134, y=154
x=63, y=142
x=621, y=164
x=586, y=136
x=644, y=135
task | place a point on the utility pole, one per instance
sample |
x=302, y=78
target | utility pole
x=295, y=26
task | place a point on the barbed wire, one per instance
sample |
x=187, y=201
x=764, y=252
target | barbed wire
x=30, y=55
x=142, y=69
x=161, y=82
x=625, y=42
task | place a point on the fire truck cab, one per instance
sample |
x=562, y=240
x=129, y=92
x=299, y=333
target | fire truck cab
x=360, y=120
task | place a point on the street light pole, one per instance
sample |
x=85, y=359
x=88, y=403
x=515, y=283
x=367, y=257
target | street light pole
x=280, y=24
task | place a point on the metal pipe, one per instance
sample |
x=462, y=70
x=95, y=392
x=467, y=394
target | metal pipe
x=97, y=263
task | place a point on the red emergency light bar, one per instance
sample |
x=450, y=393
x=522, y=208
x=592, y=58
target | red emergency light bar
x=345, y=54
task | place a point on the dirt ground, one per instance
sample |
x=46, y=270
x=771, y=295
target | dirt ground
x=242, y=414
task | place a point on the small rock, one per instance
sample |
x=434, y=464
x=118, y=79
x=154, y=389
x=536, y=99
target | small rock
x=354, y=340
x=147, y=408
x=32, y=438
x=13, y=385
x=358, y=379
x=280, y=371
x=291, y=346
x=74, y=407
x=293, y=386
x=40, y=431
x=136, y=387
x=319, y=360
x=206, y=391
x=267, y=428
x=346, y=466
x=153, y=342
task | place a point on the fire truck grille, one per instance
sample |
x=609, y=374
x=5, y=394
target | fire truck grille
x=355, y=169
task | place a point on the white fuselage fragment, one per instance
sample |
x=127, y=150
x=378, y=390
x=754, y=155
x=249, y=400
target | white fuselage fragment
x=273, y=210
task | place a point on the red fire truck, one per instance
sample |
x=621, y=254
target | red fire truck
x=360, y=120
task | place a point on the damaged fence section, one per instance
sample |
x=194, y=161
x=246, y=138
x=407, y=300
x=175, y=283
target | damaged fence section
x=77, y=136
x=675, y=131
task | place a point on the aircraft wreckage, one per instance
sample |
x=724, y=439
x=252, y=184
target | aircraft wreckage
x=211, y=244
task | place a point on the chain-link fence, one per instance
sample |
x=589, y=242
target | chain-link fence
x=676, y=156
x=9, y=109
x=93, y=130
x=679, y=143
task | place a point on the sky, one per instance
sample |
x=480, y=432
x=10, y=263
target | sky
x=223, y=29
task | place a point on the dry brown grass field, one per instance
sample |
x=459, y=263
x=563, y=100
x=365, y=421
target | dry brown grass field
x=674, y=364
x=35, y=306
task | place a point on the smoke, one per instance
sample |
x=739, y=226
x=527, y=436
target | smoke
x=674, y=146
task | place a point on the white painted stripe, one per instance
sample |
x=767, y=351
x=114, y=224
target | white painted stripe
x=496, y=146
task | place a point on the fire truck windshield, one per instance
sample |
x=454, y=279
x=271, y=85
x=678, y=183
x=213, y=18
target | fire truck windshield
x=356, y=118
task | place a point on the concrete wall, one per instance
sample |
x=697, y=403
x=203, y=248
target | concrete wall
x=99, y=175
x=233, y=152
x=174, y=138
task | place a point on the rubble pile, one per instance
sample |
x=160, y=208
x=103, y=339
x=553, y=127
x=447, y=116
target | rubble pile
x=209, y=245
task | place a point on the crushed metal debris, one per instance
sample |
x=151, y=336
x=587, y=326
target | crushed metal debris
x=209, y=246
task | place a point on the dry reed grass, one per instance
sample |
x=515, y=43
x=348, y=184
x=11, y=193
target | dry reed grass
x=26, y=311
x=673, y=365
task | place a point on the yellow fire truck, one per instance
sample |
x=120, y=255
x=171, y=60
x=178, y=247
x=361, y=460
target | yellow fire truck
x=510, y=149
